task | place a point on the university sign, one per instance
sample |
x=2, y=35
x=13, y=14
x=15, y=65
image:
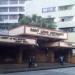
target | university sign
x=45, y=32
x=36, y=31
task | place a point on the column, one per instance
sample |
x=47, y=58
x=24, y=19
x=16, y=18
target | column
x=50, y=56
x=19, y=55
x=69, y=56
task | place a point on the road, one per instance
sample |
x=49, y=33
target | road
x=61, y=71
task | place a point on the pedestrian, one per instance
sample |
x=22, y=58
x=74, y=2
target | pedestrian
x=34, y=61
x=61, y=60
x=30, y=62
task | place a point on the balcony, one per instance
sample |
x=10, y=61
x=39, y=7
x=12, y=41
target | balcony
x=12, y=5
x=66, y=24
x=11, y=13
x=66, y=13
x=9, y=21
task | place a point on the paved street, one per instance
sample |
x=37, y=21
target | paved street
x=61, y=71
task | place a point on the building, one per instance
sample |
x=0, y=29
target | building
x=4, y=32
x=63, y=12
x=45, y=44
x=9, y=12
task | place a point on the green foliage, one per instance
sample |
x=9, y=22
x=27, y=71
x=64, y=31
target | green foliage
x=25, y=20
x=37, y=21
x=20, y=17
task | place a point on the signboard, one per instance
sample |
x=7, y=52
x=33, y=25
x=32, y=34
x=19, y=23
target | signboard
x=61, y=44
x=18, y=40
x=45, y=32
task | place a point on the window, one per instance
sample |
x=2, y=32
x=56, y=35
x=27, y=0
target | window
x=21, y=1
x=3, y=2
x=49, y=9
x=4, y=26
x=67, y=18
x=69, y=29
x=67, y=7
x=73, y=29
x=3, y=17
x=12, y=17
x=13, y=1
x=62, y=20
x=13, y=9
x=21, y=9
x=3, y=9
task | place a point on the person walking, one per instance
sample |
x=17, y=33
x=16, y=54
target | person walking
x=34, y=61
x=30, y=62
x=61, y=60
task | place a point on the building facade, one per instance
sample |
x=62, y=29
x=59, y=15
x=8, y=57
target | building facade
x=9, y=12
x=64, y=14
x=27, y=41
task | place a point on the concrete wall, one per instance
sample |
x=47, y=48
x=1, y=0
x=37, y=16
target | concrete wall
x=71, y=37
x=16, y=31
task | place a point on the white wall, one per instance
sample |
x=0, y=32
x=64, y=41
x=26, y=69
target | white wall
x=71, y=37
x=17, y=31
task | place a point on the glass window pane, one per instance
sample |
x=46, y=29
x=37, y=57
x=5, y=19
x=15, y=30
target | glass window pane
x=3, y=17
x=3, y=9
x=49, y=9
x=12, y=17
x=67, y=7
x=3, y=2
x=13, y=1
x=21, y=9
x=21, y=1
x=13, y=9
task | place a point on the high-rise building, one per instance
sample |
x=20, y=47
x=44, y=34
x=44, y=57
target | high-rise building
x=9, y=11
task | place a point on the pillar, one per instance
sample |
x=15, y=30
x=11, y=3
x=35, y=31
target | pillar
x=69, y=56
x=50, y=56
x=19, y=56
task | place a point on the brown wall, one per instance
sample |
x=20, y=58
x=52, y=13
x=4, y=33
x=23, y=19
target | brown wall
x=41, y=56
x=45, y=57
x=73, y=60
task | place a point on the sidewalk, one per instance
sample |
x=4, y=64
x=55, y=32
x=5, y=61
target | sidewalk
x=16, y=68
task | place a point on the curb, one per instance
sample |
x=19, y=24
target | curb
x=34, y=69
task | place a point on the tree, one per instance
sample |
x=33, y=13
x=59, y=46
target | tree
x=20, y=17
x=25, y=20
x=34, y=19
x=37, y=21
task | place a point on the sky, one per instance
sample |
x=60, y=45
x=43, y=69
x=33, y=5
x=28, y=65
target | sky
x=35, y=6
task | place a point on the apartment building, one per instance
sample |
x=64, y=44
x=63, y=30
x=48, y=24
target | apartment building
x=9, y=12
x=64, y=14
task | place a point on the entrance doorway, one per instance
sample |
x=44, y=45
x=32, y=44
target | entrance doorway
x=58, y=53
